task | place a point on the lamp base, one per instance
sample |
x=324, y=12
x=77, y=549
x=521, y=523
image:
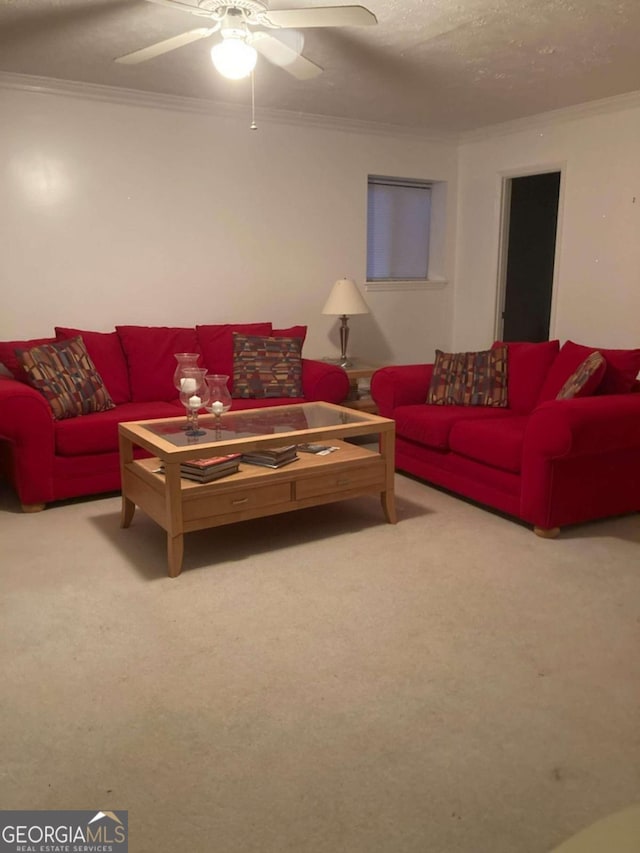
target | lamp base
x=344, y=340
x=341, y=362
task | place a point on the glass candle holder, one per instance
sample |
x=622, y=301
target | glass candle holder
x=182, y=380
x=194, y=395
x=219, y=400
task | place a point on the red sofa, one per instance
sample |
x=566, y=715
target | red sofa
x=48, y=460
x=549, y=462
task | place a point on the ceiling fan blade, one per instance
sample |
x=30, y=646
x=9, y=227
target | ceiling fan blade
x=284, y=56
x=165, y=46
x=182, y=7
x=322, y=16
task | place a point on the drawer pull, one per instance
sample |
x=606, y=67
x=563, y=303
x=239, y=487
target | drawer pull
x=240, y=501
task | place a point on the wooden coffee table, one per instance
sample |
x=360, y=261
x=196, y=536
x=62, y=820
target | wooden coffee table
x=181, y=506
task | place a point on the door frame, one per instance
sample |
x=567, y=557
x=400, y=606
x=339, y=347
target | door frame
x=504, y=191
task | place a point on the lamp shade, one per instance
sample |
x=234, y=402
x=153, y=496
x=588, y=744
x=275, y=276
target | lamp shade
x=345, y=299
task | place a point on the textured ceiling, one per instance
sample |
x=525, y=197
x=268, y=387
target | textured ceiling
x=437, y=65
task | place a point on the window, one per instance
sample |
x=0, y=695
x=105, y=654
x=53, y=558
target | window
x=398, y=227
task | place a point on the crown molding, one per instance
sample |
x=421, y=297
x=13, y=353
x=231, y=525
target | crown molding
x=603, y=106
x=217, y=109
x=237, y=112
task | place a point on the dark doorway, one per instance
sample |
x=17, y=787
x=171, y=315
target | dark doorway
x=533, y=219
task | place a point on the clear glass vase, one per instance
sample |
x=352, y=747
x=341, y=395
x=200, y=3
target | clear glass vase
x=194, y=395
x=181, y=380
x=219, y=397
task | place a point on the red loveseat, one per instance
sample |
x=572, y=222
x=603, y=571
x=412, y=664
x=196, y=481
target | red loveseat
x=549, y=462
x=49, y=460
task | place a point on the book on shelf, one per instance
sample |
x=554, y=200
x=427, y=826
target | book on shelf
x=271, y=457
x=206, y=470
x=211, y=476
x=319, y=449
x=270, y=464
x=211, y=463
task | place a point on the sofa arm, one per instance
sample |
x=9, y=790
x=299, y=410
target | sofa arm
x=581, y=460
x=323, y=381
x=585, y=425
x=27, y=425
x=402, y=385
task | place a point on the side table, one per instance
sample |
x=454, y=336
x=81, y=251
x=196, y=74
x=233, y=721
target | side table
x=360, y=398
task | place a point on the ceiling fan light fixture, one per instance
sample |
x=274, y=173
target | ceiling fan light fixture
x=234, y=58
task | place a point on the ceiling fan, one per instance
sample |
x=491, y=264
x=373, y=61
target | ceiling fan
x=235, y=56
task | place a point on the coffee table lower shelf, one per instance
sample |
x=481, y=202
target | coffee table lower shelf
x=252, y=492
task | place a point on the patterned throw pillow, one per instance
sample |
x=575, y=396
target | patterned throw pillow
x=470, y=378
x=63, y=372
x=266, y=366
x=585, y=379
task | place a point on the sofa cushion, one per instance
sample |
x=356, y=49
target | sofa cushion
x=431, y=425
x=216, y=343
x=291, y=332
x=11, y=361
x=529, y=364
x=585, y=378
x=99, y=433
x=151, y=363
x=63, y=372
x=469, y=379
x=497, y=443
x=105, y=351
x=264, y=366
x=622, y=368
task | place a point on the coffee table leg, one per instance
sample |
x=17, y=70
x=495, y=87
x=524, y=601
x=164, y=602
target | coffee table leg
x=126, y=512
x=126, y=456
x=387, y=497
x=389, y=507
x=173, y=510
x=175, y=554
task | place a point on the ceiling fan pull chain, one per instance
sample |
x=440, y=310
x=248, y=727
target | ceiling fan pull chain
x=253, y=125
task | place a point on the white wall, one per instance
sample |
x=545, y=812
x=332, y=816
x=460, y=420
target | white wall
x=597, y=293
x=126, y=213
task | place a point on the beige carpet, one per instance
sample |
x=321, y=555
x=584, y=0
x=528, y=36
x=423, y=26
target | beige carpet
x=323, y=682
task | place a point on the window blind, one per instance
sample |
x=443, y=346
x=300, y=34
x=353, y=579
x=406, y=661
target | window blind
x=398, y=223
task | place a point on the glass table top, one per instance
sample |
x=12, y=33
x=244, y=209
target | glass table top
x=256, y=422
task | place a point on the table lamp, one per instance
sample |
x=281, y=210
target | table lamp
x=345, y=300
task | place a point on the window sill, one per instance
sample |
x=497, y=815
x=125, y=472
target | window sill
x=430, y=284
